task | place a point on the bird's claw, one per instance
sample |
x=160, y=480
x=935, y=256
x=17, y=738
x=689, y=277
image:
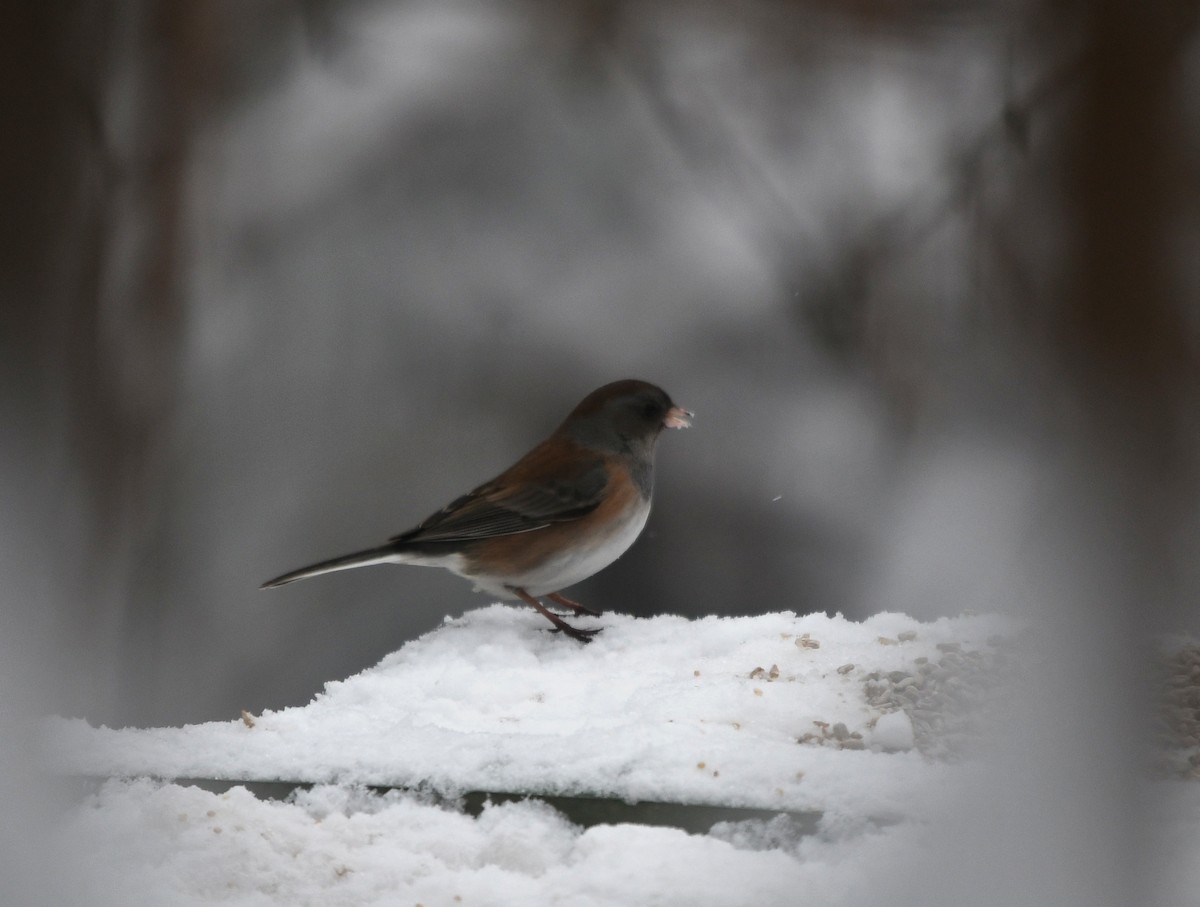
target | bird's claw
x=583, y=636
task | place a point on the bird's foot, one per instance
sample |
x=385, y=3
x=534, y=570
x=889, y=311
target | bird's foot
x=561, y=599
x=560, y=625
x=576, y=633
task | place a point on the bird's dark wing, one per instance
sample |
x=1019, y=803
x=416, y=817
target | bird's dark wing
x=537, y=491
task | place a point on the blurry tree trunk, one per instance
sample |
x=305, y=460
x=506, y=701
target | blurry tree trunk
x=105, y=99
x=129, y=354
x=1124, y=341
x=53, y=64
x=1124, y=335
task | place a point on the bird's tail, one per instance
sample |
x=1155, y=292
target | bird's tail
x=384, y=554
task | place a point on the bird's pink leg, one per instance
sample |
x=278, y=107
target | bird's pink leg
x=559, y=623
x=573, y=605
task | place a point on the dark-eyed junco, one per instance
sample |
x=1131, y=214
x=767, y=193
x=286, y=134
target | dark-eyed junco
x=565, y=510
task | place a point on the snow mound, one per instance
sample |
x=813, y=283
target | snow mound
x=866, y=723
x=778, y=712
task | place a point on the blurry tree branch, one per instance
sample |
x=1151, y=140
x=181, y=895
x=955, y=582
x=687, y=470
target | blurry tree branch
x=106, y=100
x=1123, y=332
x=1125, y=347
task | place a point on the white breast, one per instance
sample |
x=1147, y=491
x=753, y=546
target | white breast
x=575, y=566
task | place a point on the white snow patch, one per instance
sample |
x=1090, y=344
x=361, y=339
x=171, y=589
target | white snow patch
x=893, y=732
x=658, y=709
x=661, y=709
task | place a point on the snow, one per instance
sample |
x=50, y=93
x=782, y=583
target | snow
x=146, y=843
x=661, y=710
x=768, y=712
x=893, y=731
x=345, y=847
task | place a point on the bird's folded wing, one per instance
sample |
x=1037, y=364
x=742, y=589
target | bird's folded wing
x=511, y=504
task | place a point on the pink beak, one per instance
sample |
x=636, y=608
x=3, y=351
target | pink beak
x=677, y=417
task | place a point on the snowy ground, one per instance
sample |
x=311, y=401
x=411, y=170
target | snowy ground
x=871, y=725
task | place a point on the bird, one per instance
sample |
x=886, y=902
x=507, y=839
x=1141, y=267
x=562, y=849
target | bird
x=564, y=511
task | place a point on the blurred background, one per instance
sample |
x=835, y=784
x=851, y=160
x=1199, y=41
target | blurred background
x=282, y=278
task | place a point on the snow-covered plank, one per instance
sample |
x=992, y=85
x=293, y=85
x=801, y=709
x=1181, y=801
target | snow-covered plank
x=779, y=712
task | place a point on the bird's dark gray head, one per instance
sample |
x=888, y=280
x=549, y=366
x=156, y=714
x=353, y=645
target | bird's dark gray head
x=624, y=417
